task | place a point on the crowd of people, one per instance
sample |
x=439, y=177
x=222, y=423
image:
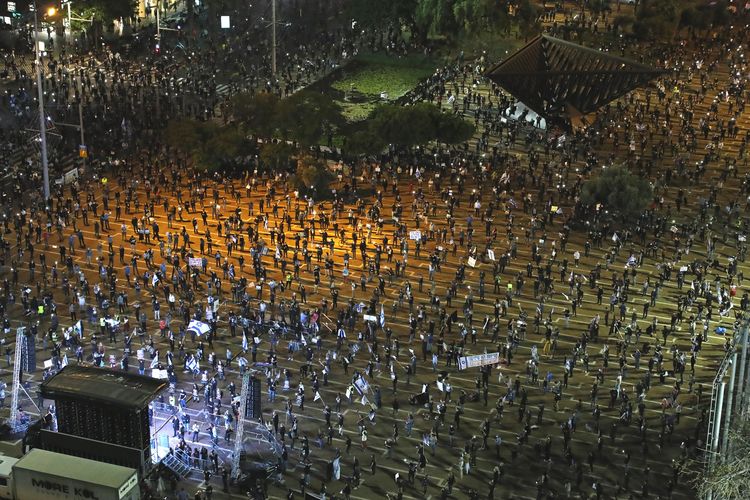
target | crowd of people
x=606, y=334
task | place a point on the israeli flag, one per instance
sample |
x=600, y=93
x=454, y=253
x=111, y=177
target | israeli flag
x=64, y=361
x=154, y=362
x=198, y=327
x=193, y=365
x=382, y=316
x=244, y=342
x=337, y=468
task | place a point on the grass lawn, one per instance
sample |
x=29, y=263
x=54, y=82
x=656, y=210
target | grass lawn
x=380, y=73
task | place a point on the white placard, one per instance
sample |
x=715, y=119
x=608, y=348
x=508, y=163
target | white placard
x=195, y=262
x=415, y=235
x=225, y=24
x=369, y=317
x=472, y=261
x=491, y=254
x=490, y=358
x=48, y=364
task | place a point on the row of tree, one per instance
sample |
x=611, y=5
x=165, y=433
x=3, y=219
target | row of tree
x=281, y=132
x=448, y=18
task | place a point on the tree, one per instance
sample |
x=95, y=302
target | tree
x=209, y=145
x=369, y=13
x=183, y=135
x=363, y=142
x=276, y=155
x=223, y=145
x=105, y=10
x=618, y=191
x=480, y=15
x=307, y=116
x=313, y=177
x=527, y=15
x=598, y=6
x=726, y=477
x=408, y=126
x=655, y=19
x=453, y=129
x=256, y=112
x=435, y=18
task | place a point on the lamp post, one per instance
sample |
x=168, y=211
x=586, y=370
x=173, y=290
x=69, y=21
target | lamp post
x=70, y=20
x=69, y=6
x=158, y=24
x=273, y=37
x=40, y=93
x=80, y=116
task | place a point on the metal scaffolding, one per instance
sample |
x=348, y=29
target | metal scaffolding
x=729, y=397
x=19, y=363
x=240, y=427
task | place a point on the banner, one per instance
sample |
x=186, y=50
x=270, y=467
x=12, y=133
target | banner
x=491, y=358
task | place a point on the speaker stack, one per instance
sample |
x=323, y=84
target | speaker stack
x=253, y=409
x=29, y=353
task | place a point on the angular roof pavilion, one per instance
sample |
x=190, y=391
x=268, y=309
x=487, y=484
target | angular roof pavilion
x=562, y=81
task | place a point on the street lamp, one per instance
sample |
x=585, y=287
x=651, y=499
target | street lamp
x=40, y=93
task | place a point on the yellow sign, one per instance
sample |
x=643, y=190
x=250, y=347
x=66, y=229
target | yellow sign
x=83, y=152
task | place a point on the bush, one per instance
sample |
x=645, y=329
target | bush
x=618, y=191
x=416, y=125
x=256, y=112
x=363, y=142
x=210, y=146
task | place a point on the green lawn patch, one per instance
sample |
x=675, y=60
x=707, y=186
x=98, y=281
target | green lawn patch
x=373, y=74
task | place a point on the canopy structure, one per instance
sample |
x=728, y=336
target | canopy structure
x=562, y=81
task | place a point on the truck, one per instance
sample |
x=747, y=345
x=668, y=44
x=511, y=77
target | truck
x=43, y=475
x=6, y=483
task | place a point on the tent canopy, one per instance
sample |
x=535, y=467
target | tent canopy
x=563, y=80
